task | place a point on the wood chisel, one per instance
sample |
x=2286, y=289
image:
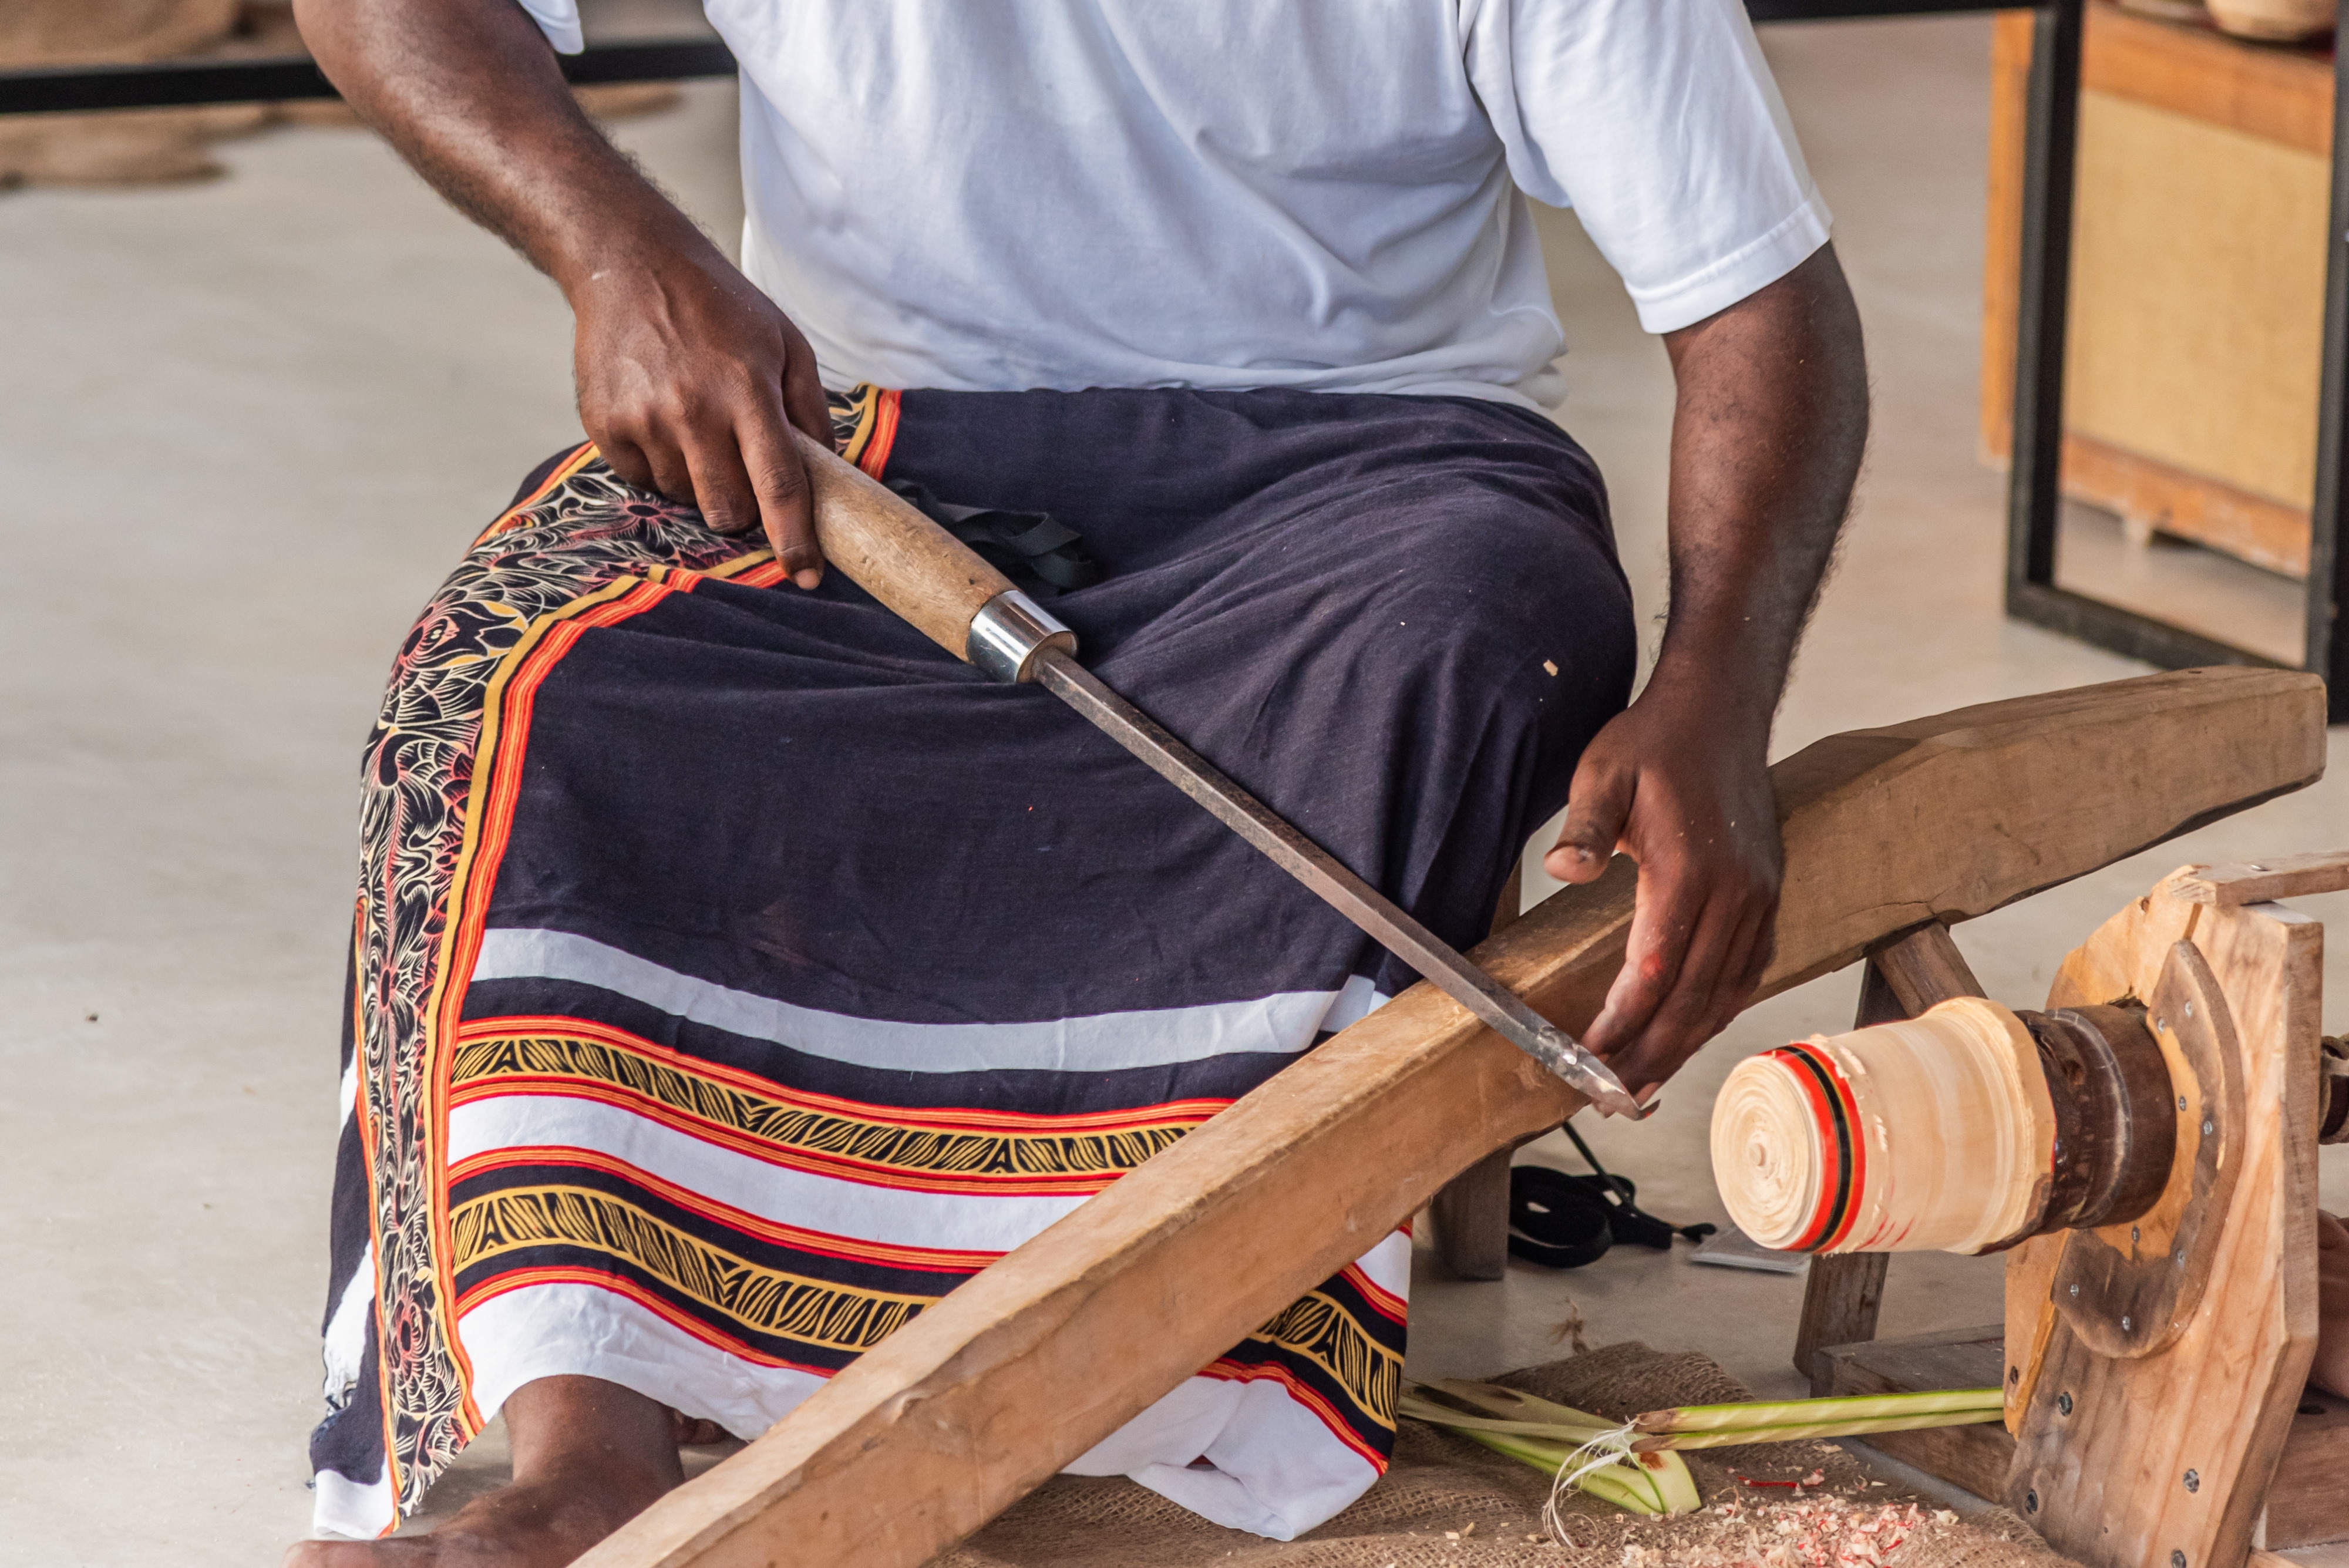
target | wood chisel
x=940, y=586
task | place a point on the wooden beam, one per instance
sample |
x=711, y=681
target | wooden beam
x=1470, y=1213
x=1470, y=1216
x=1972, y=1458
x=1050, y=1349
x=2256, y=882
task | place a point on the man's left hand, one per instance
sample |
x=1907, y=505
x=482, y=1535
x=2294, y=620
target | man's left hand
x=1681, y=789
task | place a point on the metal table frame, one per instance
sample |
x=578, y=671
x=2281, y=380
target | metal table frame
x=2034, y=496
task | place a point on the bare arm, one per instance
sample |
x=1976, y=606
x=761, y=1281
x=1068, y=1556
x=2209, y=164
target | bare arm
x=1767, y=435
x=688, y=374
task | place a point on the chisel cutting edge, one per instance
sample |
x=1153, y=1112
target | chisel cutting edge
x=958, y=601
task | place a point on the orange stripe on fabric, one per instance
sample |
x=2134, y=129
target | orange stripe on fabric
x=1226, y=1371
x=875, y=458
x=495, y=783
x=1010, y=1123
x=522, y=1279
x=579, y=458
x=1383, y=1301
x=821, y=1242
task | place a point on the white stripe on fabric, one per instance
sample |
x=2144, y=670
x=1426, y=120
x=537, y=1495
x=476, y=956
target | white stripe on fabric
x=895, y=1215
x=1388, y=1265
x=562, y=1328
x=346, y=1330
x=350, y=1089
x=1284, y=1023
x=361, y=1510
x=1356, y=1001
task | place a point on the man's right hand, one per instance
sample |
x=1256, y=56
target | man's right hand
x=689, y=379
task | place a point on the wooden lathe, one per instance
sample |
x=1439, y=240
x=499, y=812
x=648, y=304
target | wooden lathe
x=2161, y=1289
x=1892, y=835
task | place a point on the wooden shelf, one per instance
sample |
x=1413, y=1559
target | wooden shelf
x=2197, y=279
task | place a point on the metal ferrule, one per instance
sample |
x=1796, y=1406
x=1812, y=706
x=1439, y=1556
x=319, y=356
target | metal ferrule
x=1008, y=633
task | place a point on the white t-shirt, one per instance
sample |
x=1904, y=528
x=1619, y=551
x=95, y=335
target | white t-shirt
x=994, y=195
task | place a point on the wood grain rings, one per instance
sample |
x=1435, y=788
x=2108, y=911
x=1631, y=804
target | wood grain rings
x=1935, y=1133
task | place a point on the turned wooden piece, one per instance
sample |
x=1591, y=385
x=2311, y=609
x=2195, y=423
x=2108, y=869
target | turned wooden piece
x=1965, y=1130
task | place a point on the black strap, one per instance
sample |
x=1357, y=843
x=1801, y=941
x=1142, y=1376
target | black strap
x=1556, y=1220
x=1630, y=1222
x=1035, y=551
x=1565, y=1222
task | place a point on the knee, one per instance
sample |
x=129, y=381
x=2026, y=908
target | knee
x=1511, y=584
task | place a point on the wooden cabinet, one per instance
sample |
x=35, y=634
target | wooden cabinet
x=2197, y=279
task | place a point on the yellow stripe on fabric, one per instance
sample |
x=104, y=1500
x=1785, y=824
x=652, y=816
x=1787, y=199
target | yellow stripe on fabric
x=868, y=1140
x=1315, y=1327
x=766, y=1301
x=855, y=414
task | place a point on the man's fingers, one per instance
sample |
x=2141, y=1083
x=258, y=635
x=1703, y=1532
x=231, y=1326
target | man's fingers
x=672, y=475
x=1664, y=922
x=780, y=480
x=1597, y=805
x=1683, y=1014
x=627, y=460
x=804, y=403
x=1728, y=954
x=721, y=487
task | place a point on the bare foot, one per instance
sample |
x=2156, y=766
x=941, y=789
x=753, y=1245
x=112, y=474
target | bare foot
x=693, y=1432
x=589, y=1456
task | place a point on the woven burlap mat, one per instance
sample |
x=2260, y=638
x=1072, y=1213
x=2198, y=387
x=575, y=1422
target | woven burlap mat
x=1448, y=1503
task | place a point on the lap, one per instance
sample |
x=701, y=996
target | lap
x=733, y=959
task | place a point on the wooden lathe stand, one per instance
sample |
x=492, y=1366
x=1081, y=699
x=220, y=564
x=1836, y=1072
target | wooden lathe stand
x=2154, y=1369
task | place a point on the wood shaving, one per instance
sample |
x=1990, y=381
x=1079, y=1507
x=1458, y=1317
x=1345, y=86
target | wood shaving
x=1820, y=1531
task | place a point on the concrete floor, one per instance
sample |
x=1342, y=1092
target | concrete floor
x=249, y=426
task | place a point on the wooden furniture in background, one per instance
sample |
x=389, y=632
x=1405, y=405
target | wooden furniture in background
x=2197, y=279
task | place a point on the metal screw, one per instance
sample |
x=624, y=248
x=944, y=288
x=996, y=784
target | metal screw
x=2193, y=1481
x=2190, y=1009
x=2064, y=1403
x=2161, y=1026
x=2178, y=1559
x=2031, y=1501
x=2124, y=1322
x=2181, y=1102
x=2075, y=1290
x=2208, y=1129
x=2136, y=1234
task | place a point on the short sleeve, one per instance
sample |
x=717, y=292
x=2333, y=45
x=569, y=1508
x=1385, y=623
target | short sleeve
x=1658, y=122
x=559, y=20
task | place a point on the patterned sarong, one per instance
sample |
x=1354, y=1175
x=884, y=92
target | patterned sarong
x=735, y=972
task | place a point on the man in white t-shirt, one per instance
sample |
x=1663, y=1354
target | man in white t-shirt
x=1224, y=204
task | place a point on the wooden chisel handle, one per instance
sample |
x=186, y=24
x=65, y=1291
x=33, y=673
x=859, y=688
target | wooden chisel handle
x=933, y=580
